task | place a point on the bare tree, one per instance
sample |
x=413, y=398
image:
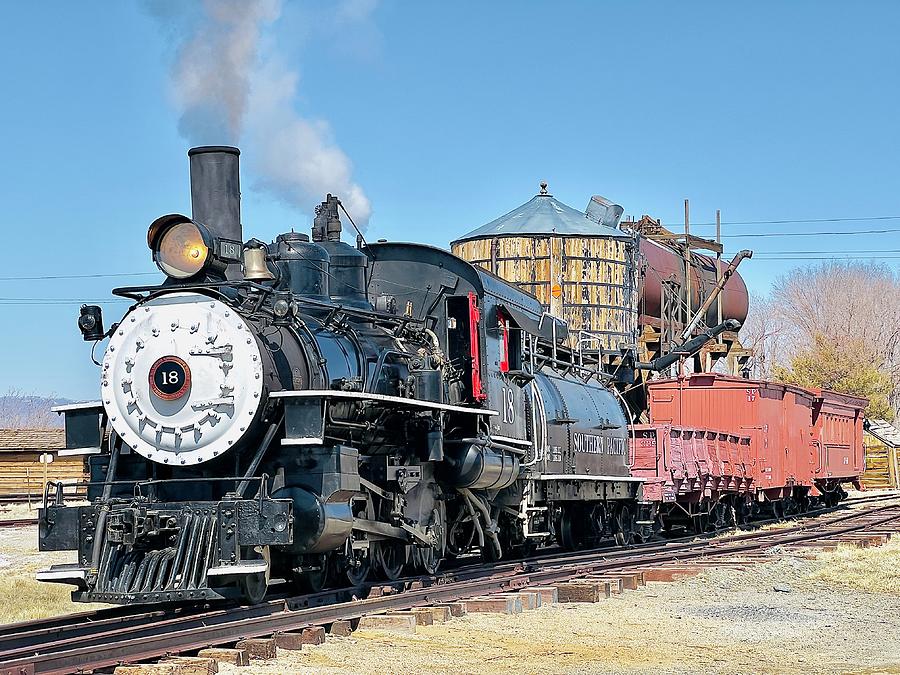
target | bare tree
x=766, y=334
x=845, y=302
x=23, y=411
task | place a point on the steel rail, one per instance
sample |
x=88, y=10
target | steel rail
x=191, y=632
x=690, y=541
x=31, y=634
x=18, y=522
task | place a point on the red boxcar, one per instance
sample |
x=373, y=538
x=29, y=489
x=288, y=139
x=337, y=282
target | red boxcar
x=838, y=438
x=676, y=461
x=802, y=442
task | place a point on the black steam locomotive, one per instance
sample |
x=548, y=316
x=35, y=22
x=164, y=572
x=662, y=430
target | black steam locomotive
x=310, y=410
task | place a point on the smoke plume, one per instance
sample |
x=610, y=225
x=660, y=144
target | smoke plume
x=231, y=86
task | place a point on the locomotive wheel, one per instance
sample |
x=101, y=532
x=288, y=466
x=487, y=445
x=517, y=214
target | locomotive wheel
x=389, y=558
x=623, y=524
x=356, y=564
x=253, y=587
x=313, y=581
x=568, y=530
x=427, y=560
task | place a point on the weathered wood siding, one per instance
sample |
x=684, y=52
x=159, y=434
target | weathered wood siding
x=882, y=464
x=21, y=472
x=594, y=276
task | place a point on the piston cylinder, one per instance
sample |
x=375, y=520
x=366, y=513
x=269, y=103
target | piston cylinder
x=320, y=525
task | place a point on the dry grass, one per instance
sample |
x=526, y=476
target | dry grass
x=873, y=570
x=22, y=598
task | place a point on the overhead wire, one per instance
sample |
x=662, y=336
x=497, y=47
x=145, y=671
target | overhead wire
x=786, y=255
x=798, y=221
x=80, y=276
x=809, y=234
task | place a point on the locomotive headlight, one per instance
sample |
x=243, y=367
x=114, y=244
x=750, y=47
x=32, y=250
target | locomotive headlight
x=281, y=308
x=181, y=250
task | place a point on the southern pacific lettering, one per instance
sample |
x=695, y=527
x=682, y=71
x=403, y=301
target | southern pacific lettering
x=591, y=444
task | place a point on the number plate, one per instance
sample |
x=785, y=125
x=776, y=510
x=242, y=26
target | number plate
x=229, y=250
x=170, y=378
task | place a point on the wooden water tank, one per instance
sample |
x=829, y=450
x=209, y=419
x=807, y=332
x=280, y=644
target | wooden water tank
x=581, y=269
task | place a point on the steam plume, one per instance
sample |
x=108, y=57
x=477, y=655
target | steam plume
x=230, y=89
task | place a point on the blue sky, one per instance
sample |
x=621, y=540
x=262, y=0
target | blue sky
x=451, y=114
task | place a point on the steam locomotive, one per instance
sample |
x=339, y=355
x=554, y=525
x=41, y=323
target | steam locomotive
x=318, y=412
x=309, y=410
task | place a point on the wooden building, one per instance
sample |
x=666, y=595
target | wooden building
x=882, y=444
x=21, y=470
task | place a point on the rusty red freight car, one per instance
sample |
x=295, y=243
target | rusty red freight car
x=797, y=436
x=838, y=440
x=697, y=477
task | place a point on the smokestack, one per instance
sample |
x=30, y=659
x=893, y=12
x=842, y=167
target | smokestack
x=216, y=189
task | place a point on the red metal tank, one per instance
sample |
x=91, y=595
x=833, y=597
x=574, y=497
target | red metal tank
x=663, y=263
x=776, y=416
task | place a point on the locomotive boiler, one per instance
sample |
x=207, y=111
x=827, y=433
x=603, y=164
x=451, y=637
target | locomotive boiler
x=313, y=411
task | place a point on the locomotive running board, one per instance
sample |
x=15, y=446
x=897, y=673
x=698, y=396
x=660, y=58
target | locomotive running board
x=305, y=411
x=396, y=400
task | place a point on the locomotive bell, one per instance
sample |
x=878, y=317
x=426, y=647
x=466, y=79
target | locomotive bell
x=255, y=268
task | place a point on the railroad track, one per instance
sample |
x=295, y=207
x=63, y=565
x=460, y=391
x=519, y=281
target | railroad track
x=108, y=637
x=18, y=522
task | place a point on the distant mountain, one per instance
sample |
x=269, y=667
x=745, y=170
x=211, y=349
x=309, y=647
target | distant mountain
x=25, y=411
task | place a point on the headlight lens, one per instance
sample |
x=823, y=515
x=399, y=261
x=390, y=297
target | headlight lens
x=281, y=308
x=181, y=251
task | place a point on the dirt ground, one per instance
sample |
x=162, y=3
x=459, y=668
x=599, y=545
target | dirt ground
x=724, y=621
